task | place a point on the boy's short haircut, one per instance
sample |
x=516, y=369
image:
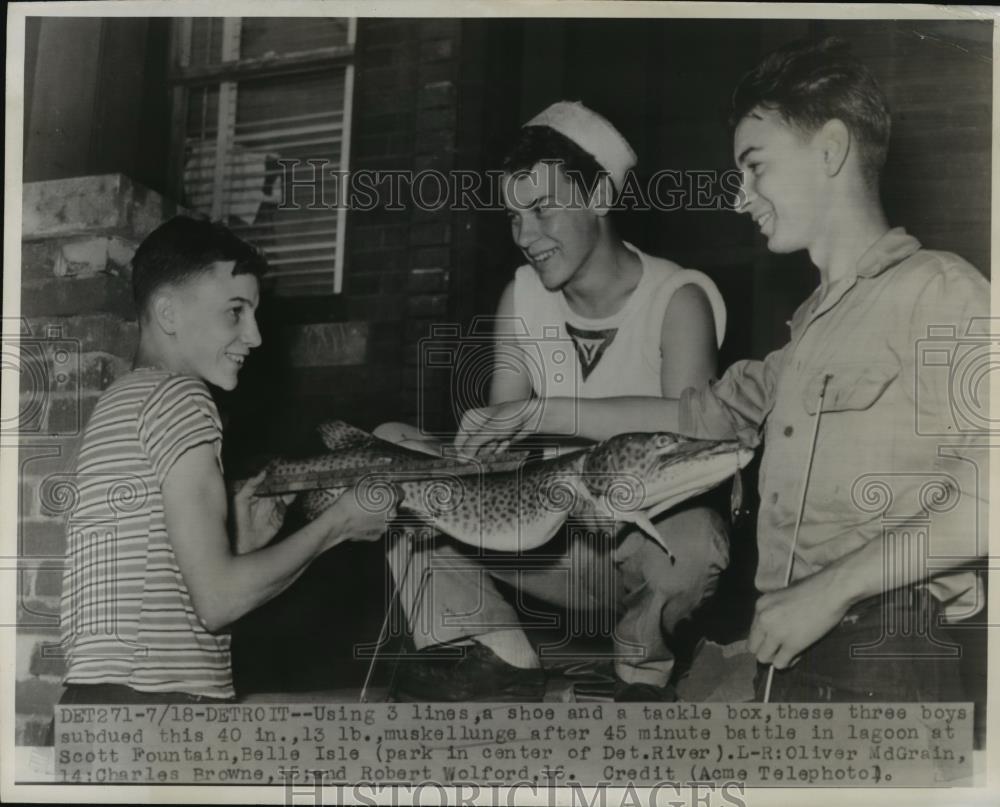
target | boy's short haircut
x=540, y=144
x=183, y=248
x=809, y=83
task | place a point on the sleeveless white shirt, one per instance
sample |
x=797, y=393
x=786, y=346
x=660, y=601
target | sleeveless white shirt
x=566, y=354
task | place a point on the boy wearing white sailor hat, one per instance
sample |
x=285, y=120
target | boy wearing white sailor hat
x=628, y=324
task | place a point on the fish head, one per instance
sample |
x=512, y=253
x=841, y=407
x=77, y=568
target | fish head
x=654, y=471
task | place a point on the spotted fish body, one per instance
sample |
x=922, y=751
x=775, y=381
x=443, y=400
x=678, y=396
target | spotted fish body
x=629, y=478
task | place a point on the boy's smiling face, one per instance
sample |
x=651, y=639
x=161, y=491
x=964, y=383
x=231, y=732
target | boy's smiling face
x=782, y=180
x=550, y=222
x=215, y=324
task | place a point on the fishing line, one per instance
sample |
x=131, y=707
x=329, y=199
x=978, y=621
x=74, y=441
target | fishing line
x=802, y=508
x=396, y=595
x=397, y=589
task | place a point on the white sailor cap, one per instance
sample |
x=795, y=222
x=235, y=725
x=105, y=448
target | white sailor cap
x=591, y=132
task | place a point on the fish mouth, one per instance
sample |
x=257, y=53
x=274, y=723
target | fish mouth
x=691, y=469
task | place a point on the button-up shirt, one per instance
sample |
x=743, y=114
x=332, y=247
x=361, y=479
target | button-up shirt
x=898, y=448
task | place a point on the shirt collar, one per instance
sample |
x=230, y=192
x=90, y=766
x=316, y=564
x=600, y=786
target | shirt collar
x=895, y=246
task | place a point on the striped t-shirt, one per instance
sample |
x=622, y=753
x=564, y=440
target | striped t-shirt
x=127, y=616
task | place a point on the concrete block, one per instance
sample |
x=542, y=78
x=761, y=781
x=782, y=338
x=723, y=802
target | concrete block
x=93, y=256
x=98, y=371
x=68, y=415
x=48, y=580
x=108, y=204
x=47, y=660
x=24, y=649
x=65, y=297
x=32, y=731
x=36, y=696
x=40, y=537
x=93, y=332
x=38, y=259
x=37, y=614
x=73, y=205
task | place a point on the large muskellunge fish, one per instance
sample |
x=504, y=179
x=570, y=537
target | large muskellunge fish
x=629, y=478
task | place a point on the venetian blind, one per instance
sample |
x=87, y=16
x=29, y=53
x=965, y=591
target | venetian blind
x=251, y=132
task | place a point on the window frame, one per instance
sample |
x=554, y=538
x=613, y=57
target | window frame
x=182, y=77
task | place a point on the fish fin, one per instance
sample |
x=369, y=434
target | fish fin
x=337, y=435
x=643, y=522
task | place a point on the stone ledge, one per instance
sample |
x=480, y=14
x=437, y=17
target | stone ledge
x=75, y=256
x=110, y=204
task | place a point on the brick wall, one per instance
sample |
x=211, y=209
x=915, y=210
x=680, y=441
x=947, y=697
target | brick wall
x=77, y=334
x=400, y=268
x=417, y=105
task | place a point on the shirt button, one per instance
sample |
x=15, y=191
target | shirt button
x=774, y=497
x=789, y=431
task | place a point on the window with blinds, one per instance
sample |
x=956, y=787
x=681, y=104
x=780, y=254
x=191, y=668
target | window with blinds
x=263, y=103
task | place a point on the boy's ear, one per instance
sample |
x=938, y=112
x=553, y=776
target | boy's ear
x=836, y=143
x=164, y=311
x=603, y=196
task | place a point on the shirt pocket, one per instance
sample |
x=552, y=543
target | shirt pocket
x=851, y=387
x=857, y=434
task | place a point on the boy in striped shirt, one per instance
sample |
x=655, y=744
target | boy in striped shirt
x=151, y=580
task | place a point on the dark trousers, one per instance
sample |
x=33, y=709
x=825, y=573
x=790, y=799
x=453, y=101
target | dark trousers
x=119, y=693
x=889, y=648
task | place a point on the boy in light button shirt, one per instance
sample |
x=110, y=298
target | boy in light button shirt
x=894, y=501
